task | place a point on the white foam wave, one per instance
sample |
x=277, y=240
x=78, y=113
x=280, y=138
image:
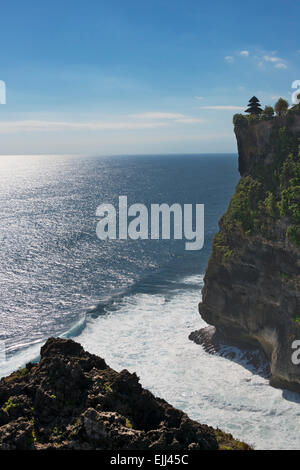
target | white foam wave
x=148, y=334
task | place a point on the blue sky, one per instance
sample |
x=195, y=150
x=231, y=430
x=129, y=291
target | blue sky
x=127, y=76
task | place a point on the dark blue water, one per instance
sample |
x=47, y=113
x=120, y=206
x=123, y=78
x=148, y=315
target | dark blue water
x=53, y=266
x=132, y=302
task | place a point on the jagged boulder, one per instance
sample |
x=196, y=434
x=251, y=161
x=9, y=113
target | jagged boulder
x=72, y=400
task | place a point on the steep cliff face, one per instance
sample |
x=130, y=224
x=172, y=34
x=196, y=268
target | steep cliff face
x=251, y=291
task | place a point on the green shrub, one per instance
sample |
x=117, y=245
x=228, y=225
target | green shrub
x=290, y=171
x=268, y=113
x=293, y=234
x=289, y=204
x=296, y=319
x=270, y=204
x=285, y=276
x=272, y=190
x=243, y=207
x=221, y=248
x=239, y=120
x=128, y=424
x=107, y=387
x=9, y=405
x=281, y=107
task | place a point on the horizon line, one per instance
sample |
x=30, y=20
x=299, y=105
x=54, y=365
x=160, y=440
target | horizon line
x=112, y=155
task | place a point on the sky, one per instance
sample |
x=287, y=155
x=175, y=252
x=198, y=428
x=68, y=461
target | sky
x=140, y=77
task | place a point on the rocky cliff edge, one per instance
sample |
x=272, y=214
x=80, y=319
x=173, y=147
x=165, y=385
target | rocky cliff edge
x=251, y=293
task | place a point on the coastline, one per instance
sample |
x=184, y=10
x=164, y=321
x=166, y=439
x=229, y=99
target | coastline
x=212, y=389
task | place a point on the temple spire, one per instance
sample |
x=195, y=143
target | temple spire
x=254, y=106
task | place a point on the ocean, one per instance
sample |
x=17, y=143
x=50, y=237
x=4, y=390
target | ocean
x=132, y=302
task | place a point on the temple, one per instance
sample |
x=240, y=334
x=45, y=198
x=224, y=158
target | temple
x=254, y=106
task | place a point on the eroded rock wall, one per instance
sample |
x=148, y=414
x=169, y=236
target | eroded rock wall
x=251, y=291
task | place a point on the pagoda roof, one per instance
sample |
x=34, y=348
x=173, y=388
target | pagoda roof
x=254, y=100
x=255, y=107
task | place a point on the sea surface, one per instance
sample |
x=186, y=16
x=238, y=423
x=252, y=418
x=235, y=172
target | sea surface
x=132, y=302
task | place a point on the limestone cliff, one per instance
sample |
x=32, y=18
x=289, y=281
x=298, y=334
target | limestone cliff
x=251, y=291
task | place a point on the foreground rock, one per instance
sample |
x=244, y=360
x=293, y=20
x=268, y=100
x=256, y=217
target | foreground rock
x=251, y=291
x=72, y=400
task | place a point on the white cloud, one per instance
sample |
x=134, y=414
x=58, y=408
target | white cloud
x=32, y=126
x=174, y=117
x=157, y=115
x=200, y=98
x=276, y=61
x=229, y=59
x=188, y=120
x=244, y=53
x=229, y=107
x=269, y=58
x=280, y=65
x=150, y=120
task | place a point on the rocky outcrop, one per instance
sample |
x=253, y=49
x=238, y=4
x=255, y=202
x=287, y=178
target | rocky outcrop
x=72, y=400
x=254, y=141
x=251, y=291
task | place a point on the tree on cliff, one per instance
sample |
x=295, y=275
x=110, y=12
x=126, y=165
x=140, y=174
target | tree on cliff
x=268, y=112
x=281, y=107
x=239, y=120
x=254, y=106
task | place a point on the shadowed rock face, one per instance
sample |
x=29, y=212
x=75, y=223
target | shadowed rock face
x=254, y=142
x=73, y=400
x=251, y=291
